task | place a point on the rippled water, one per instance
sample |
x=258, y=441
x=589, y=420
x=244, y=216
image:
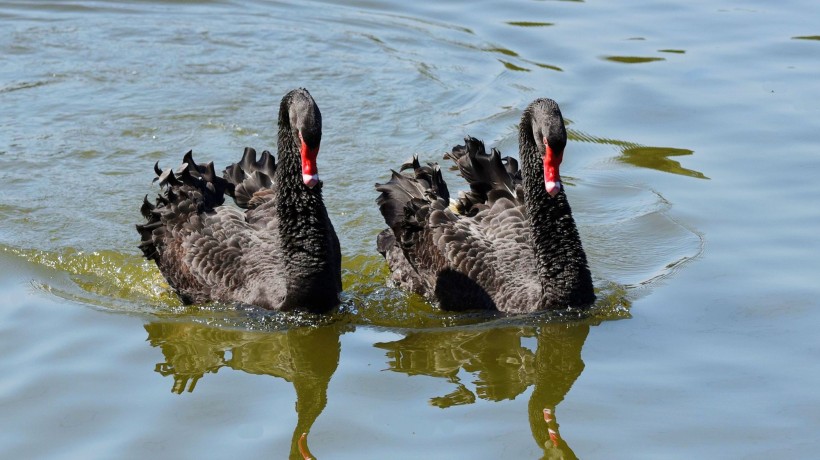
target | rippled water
x=691, y=169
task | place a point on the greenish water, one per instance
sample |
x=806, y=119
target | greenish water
x=691, y=171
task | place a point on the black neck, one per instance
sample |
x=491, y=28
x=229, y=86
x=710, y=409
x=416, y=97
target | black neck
x=560, y=258
x=304, y=226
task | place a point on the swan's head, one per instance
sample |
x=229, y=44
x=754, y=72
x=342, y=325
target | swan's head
x=550, y=138
x=306, y=126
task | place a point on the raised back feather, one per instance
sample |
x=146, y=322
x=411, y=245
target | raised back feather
x=192, y=188
x=252, y=179
x=403, y=197
x=489, y=176
x=406, y=203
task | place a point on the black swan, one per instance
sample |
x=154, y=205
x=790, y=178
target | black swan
x=509, y=244
x=279, y=252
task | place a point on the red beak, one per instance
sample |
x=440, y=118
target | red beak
x=310, y=172
x=552, y=178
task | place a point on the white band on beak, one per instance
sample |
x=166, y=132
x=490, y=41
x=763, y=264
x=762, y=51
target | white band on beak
x=553, y=187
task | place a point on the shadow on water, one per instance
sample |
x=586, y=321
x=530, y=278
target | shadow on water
x=658, y=158
x=495, y=353
x=642, y=156
x=306, y=357
x=505, y=357
x=502, y=368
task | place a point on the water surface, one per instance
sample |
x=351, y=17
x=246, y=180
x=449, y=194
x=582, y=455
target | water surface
x=691, y=171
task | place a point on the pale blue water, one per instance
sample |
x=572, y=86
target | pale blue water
x=693, y=162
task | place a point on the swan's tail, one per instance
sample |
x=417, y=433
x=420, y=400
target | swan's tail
x=490, y=176
x=190, y=190
x=252, y=180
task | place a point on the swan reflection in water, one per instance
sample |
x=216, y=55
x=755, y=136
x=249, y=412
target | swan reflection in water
x=191, y=350
x=503, y=368
x=502, y=365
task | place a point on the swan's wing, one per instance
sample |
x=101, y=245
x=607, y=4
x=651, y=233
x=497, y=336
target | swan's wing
x=175, y=222
x=218, y=253
x=492, y=249
x=189, y=190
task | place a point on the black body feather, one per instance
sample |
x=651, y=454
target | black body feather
x=505, y=244
x=279, y=251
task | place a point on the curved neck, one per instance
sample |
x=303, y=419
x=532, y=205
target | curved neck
x=560, y=259
x=304, y=226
